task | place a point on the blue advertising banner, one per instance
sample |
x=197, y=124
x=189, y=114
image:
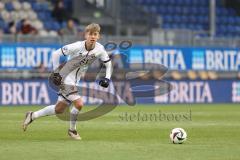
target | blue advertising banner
x=26, y=92
x=179, y=58
x=29, y=56
x=38, y=92
x=26, y=56
x=218, y=91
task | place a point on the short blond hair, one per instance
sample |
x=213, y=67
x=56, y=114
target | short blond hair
x=93, y=27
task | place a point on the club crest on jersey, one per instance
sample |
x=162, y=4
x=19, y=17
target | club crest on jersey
x=65, y=49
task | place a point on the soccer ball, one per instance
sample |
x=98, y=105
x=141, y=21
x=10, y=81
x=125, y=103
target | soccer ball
x=178, y=135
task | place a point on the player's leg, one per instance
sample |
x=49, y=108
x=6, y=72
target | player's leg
x=47, y=111
x=50, y=110
x=77, y=106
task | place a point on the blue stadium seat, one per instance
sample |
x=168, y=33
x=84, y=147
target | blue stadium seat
x=181, y=26
x=168, y=19
x=68, y=4
x=164, y=2
x=193, y=19
x=56, y=26
x=179, y=3
x=44, y=7
x=42, y=16
x=141, y=2
x=201, y=19
x=177, y=19
x=185, y=10
x=148, y=2
x=166, y=25
x=162, y=10
x=153, y=9
x=36, y=7
x=199, y=27
x=47, y=25
x=203, y=10
x=178, y=10
x=237, y=19
x=184, y=19
x=63, y=25
x=187, y=2
x=232, y=11
x=223, y=19
x=231, y=20
x=52, y=25
x=2, y=24
x=193, y=10
x=222, y=28
x=40, y=7
x=204, y=3
x=9, y=6
x=32, y=1
x=18, y=25
x=172, y=2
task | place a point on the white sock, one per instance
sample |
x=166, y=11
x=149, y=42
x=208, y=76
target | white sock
x=47, y=111
x=73, y=118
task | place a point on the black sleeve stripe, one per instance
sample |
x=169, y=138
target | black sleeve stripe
x=107, y=60
x=62, y=52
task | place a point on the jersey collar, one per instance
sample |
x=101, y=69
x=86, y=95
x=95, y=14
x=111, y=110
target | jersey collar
x=85, y=46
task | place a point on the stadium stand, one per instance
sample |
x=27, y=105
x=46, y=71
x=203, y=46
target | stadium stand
x=177, y=22
x=194, y=15
x=38, y=12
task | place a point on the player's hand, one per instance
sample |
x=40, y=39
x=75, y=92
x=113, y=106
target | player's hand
x=57, y=79
x=104, y=82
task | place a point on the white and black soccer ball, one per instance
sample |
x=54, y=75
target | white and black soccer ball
x=178, y=135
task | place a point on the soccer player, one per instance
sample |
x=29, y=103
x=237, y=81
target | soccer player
x=88, y=51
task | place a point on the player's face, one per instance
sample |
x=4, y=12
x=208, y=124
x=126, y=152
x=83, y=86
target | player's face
x=92, y=37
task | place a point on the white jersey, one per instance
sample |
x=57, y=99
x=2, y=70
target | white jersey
x=79, y=48
x=77, y=52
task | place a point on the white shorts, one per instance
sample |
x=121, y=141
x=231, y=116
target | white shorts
x=68, y=94
x=69, y=91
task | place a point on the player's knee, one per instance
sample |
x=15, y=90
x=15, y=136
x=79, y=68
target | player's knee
x=78, y=105
x=60, y=108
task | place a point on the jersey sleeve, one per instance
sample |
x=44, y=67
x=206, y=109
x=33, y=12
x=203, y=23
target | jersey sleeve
x=70, y=48
x=104, y=57
x=107, y=62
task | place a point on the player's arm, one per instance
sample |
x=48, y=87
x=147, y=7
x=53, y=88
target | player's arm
x=63, y=51
x=108, y=64
x=55, y=58
x=55, y=76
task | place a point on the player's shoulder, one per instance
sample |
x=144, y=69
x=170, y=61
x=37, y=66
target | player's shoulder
x=99, y=46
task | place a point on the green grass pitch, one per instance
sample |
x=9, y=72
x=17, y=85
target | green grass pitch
x=213, y=134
